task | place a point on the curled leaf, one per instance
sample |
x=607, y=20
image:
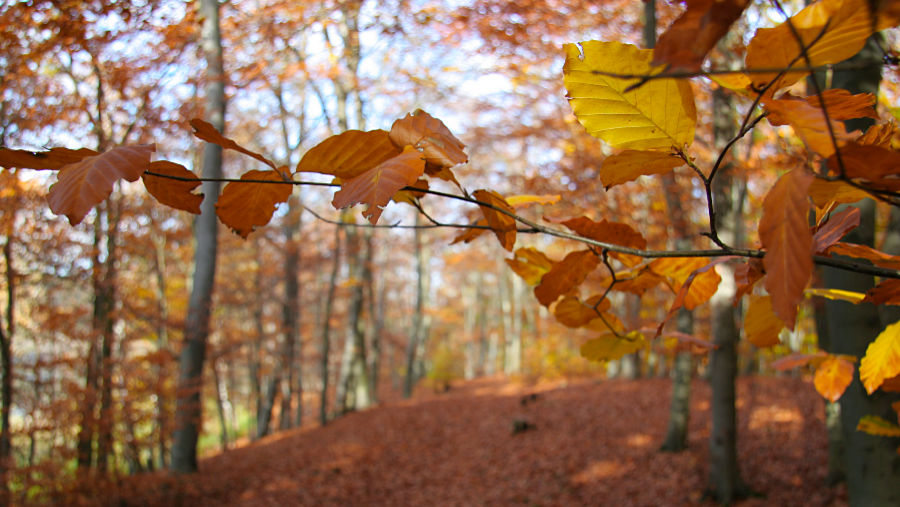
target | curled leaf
x=378, y=185
x=429, y=135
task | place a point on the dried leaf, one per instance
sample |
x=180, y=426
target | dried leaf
x=629, y=165
x=176, y=193
x=205, y=131
x=244, y=206
x=797, y=360
x=874, y=425
x=430, y=136
x=784, y=232
x=54, y=158
x=376, y=186
x=761, y=325
x=878, y=258
x=869, y=165
x=410, y=196
x=746, y=275
x=607, y=232
x=882, y=359
x=469, y=234
x=531, y=264
x=84, y=184
x=570, y=311
x=349, y=154
x=637, y=282
x=835, y=228
x=609, y=347
x=824, y=193
x=843, y=105
x=887, y=292
x=565, y=275
x=832, y=378
x=686, y=43
x=809, y=124
x=503, y=225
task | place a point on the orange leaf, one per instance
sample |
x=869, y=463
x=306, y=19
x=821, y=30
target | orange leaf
x=879, y=135
x=885, y=293
x=878, y=258
x=430, y=136
x=843, y=105
x=637, y=283
x=570, y=311
x=684, y=292
x=809, y=124
x=208, y=133
x=376, y=186
x=629, y=165
x=531, y=264
x=526, y=200
x=349, y=154
x=835, y=228
x=685, y=44
x=55, y=158
x=410, y=196
x=246, y=206
x=745, y=276
x=703, y=281
x=784, y=232
x=824, y=192
x=84, y=184
x=607, y=232
x=796, y=360
x=832, y=378
x=882, y=359
x=503, y=225
x=870, y=165
x=565, y=276
x=761, y=325
x=469, y=234
x=176, y=193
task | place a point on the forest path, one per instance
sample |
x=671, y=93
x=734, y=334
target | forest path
x=585, y=443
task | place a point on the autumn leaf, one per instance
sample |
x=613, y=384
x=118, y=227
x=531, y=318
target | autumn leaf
x=882, y=359
x=637, y=281
x=376, y=186
x=349, y=154
x=704, y=281
x=205, y=131
x=832, y=378
x=843, y=105
x=503, y=225
x=761, y=325
x=607, y=232
x=244, y=206
x=686, y=43
x=835, y=228
x=887, y=292
x=517, y=201
x=570, y=311
x=54, y=158
x=874, y=425
x=831, y=30
x=176, y=193
x=430, y=136
x=609, y=347
x=784, y=232
x=531, y=264
x=410, y=196
x=83, y=184
x=870, y=165
x=824, y=193
x=565, y=275
x=808, y=122
x=746, y=275
x=629, y=165
x=658, y=115
x=879, y=135
x=878, y=258
x=836, y=294
x=792, y=361
x=477, y=228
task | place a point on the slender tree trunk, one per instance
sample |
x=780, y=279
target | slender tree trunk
x=290, y=313
x=418, y=320
x=162, y=344
x=104, y=437
x=326, y=326
x=7, y=331
x=376, y=317
x=188, y=414
x=220, y=406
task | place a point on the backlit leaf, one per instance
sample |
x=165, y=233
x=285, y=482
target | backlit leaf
x=809, y=124
x=607, y=232
x=761, y=325
x=784, y=232
x=410, y=196
x=704, y=281
x=832, y=378
x=245, y=206
x=874, y=425
x=882, y=359
x=525, y=200
x=825, y=192
x=54, y=158
x=684, y=293
x=503, y=225
x=441, y=149
x=637, y=282
x=843, y=105
x=629, y=165
x=572, y=312
x=349, y=154
x=831, y=30
x=871, y=165
x=878, y=258
x=205, y=131
x=658, y=115
x=531, y=264
x=565, y=275
x=609, y=347
x=835, y=228
x=746, y=275
x=687, y=41
x=836, y=294
x=376, y=186
x=83, y=184
x=176, y=193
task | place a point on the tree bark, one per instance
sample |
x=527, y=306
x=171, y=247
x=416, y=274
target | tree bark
x=196, y=328
x=7, y=331
x=418, y=318
x=290, y=314
x=326, y=326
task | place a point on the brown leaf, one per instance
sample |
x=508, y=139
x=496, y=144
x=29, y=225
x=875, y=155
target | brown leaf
x=637, y=283
x=378, y=185
x=792, y=361
x=84, y=184
x=808, y=122
x=785, y=235
x=246, y=206
x=176, y=193
x=410, y=196
x=570, y=311
x=565, y=276
x=872, y=165
x=885, y=293
x=468, y=235
x=607, y=232
x=54, y=158
x=878, y=258
x=835, y=228
x=349, y=154
x=503, y=225
x=745, y=276
x=824, y=193
x=686, y=43
x=843, y=105
x=430, y=136
x=761, y=326
x=205, y=131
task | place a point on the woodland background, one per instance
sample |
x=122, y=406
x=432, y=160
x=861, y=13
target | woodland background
x=309, y=309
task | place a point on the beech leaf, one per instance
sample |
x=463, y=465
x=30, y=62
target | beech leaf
x=349, y=154
x=430, y=136
x=824, y=192
x=470, y=234
x=761, y=325
x=629, y=165
x=887, y=292
x=503, y=225
x=244, y=206
x=808, y=122
x=54, y=158
x=83, y=184
x=882, y=359
x=176, y=193
x=517, y=201
x=874, y=425
x=609, y=347
x=836, y=294
x=376, y=186
x=704, y=281
x=835, y=228
x=686, y=43
x=207, y=132
x=565, y=275
x=784, y=232
x=531, y=264
x=607, y=232
x=878, y=258
x=832, y=377
x=658, y=115
x=570, y=311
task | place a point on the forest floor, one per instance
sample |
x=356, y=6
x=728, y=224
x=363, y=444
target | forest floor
x=587, y=443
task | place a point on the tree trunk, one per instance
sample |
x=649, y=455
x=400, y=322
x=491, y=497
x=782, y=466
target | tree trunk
x=196, y=328
x=376, y=317
x=326, y=326
x=162, y=344
x=108, y=301
x=220, y=406
x=680, y=405
x=290, y=313
x=418, y=320
x=354, y=388
x=7, y=331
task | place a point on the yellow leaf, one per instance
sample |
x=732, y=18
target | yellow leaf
x=349, y=154
x=631, y=164
x=658, y=115
x=882, y=359
x=531, y=264
x=704, y=281
x=503, y=225
x=761, y=325
x=874, y=425
x=837, y=294
x=831, y=30
x=608, y=347
x=525, y=200
x=246, y=206
x=824, y=192
x=832, y=378
x=376, y=186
